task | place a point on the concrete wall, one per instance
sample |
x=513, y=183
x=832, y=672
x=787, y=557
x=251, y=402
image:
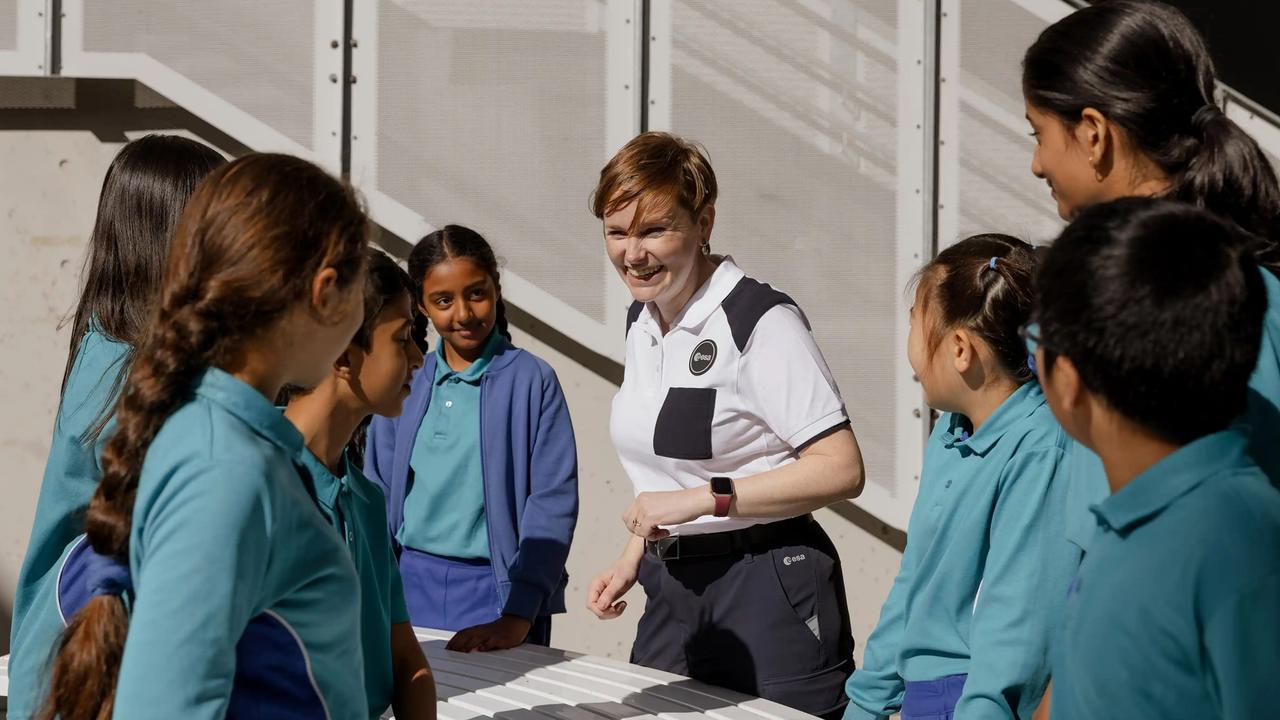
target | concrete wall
x=53, y=160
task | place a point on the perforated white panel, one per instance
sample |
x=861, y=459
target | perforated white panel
x=269, y=74
x=797, y=104
x=8, y=24
x=493, y=115
x=257, y=56
x=994, y=188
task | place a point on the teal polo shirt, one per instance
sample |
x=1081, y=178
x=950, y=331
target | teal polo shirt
x=1260, y=423
x=236, y=573
x=444, y=508
x=71, y=475
x=984, y=575
x=358, y=509
x=1175, y=611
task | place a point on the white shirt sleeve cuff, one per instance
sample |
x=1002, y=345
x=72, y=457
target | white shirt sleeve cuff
x=807, y=433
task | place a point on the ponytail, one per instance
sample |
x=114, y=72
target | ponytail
x=252, y=237
x=984, y=284
x=1229, y=175
x=1146, y=68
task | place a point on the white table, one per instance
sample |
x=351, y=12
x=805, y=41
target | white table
x=537, y=683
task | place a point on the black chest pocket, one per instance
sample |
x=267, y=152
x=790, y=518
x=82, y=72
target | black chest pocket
x=683, y=430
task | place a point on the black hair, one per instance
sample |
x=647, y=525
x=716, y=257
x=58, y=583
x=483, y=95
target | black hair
x=456, y=241
x=982, y=283
x=1144, y=66
x=1159, y=305
x=145, y=189
x=384, y=281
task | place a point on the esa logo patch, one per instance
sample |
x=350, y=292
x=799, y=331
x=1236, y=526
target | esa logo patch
x=703, y=357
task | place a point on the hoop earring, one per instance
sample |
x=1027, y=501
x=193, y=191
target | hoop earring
x=706, y=248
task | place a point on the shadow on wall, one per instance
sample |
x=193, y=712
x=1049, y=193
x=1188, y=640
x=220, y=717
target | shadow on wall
x=110, y=109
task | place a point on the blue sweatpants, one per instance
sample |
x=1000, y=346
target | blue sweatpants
x=454, y=594
x=932, y=699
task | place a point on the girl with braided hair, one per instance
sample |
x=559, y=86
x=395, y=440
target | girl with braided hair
x=214, y=587
x=481, y=469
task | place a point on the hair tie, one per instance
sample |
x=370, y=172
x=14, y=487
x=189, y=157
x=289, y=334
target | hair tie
x=992, y=263
x=106, y=575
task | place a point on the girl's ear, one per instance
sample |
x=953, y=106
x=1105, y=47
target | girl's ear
x=961, y=349
x=347, y=365
x=1094, y=135
x=327, y=299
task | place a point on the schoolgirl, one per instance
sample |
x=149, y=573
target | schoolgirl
x=215, y=587
x=481, y=470
x=1120, y=98
x=144, y=191
x=966, y=628
x=371, y=376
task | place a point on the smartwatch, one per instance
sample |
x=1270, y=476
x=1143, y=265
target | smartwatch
x=722, y=491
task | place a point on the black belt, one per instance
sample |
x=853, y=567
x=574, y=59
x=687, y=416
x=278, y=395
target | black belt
x=755, y=537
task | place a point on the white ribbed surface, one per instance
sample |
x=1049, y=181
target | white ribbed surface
x=997, y=191
x=799, y=113
x=491, y=114
x=537, y=683
x=257, y=56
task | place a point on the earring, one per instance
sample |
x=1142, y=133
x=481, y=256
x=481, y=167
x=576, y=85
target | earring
x=706, y=247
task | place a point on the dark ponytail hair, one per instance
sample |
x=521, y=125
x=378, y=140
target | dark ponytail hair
x=1144, y=66
x=245, y=251
x=146, y=187
x=984, y=284
x=456, y=241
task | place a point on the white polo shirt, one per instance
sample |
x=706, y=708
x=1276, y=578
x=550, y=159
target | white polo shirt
x=735, y=388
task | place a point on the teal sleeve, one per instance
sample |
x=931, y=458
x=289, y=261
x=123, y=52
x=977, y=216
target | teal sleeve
x=199, y=558
x=1242, y=646
x=399, y=608
x=875, y=690
x=1023, y=590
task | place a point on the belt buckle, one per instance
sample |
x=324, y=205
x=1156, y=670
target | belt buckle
x=668, y=548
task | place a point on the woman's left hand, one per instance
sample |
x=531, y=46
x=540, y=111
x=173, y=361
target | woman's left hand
x=507, y=631
x=650, y=510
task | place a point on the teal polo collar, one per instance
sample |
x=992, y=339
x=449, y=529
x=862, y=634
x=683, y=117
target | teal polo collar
x=472, y=374
x=1022, y=403
x=251, y=406
x=327, y=485
x=1177, y=474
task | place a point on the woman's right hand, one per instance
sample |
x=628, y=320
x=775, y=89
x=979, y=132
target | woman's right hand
x=605, y=592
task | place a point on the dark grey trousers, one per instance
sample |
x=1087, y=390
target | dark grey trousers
x=770, y=621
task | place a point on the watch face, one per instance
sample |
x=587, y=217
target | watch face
x=721, y=486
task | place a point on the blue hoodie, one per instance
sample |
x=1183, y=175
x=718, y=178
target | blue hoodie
x=530, y=466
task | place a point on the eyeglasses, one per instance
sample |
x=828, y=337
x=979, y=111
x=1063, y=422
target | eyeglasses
x=1030, y=334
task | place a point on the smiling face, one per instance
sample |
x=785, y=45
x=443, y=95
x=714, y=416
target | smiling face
x=462, y=301
x=659, y=255
x=382, y=372
x=1062, y=160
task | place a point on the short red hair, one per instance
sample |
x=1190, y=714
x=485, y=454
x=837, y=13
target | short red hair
x=656, y=170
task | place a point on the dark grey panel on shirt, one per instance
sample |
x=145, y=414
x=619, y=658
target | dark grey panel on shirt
x=683, y=429
x=749, y=300
x=633, y=314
